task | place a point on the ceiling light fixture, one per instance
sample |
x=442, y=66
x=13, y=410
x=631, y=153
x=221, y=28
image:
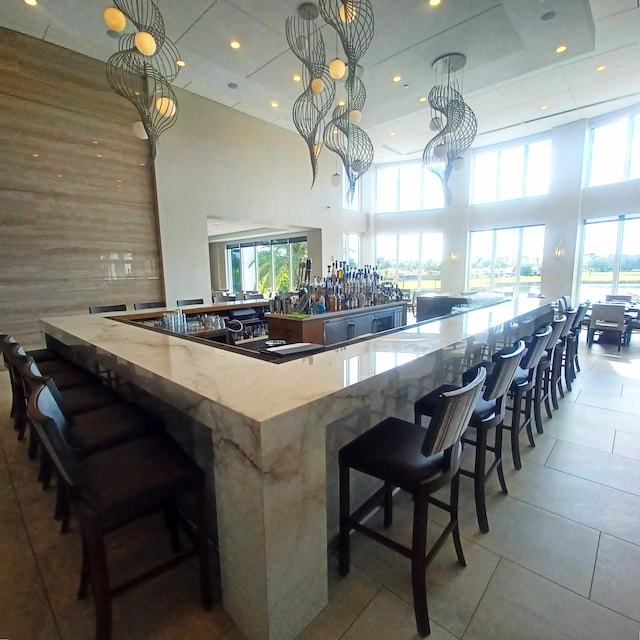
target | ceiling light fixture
x=457, y=125
x=434, y=3
x=601, y=67
x=296, y=77
x=561, y=48
x=275, y=104
x=235, y=44
x=422, y=99
x=544, y=107
x=397, y=78
x=144, y=67
x=31, y=3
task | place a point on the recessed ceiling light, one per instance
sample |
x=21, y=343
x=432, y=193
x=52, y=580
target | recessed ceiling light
x=296, y=77
x=275, y=104
x=181, y=63
x=341, y=103
x=561, y=48
x=31, y=3
x=215, y=222
x=422, y=99
x=544, y=107
x=235, y=44
x=602, y=67
x=434, y=3
x=397, y=78
x=392, y=133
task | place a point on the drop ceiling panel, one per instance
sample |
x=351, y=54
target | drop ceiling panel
x=602, y=8
x=618, y=63
x=210, y=37
x=484, y=39
x=627, y=85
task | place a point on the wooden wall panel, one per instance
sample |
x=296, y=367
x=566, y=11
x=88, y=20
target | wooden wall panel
x=78, y=218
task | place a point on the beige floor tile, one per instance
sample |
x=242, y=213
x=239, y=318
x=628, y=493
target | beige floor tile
x=592, y=504
x=586, y=435
x=627, y=445
x=598, y=416
x=543, y=542
x=390, y=617
x=615, y=580
x=624, y=404
x=520, y=604
x=453, y=591
x=348, y=597
x=611, y=471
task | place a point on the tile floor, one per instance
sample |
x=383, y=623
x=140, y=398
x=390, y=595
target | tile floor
x=562, y=559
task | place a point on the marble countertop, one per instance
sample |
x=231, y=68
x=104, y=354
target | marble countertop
x=261, y=390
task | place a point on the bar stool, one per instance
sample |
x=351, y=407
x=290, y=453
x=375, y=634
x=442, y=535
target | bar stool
x=186, y=303
x=81, y=391
x=420, y=461
x=116, y=487
x=107, y=308
x=149, y=305
x=571, y=364
x=487, y=414
x=557, y=366
x=543, y=374
x=522, y=389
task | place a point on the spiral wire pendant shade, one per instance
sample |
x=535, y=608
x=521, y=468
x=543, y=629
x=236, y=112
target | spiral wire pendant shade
x=144, y=67
x=456, y=125
x=312, y=106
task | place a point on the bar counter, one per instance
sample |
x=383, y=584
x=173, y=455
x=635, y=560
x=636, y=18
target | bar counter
x=276, y=430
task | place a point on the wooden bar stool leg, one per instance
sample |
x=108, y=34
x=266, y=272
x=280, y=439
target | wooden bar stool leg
x=419, y=565
x=515, y=429
x=99, y=575
x=344, y=559
x=203, y=553
x=498, y=462
x=479, y=479
x=455, y=530
x=528, y=404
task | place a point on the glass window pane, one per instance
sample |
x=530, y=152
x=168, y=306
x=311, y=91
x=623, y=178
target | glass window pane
x=433, y=194
x=608, y=153
x=351, y=249
x=298, y=255
x=431, y=262
x=387, y=190
x=598, y=253
x=480, y=253
x=506, y=260
x=538, y=168
x=265, y=269
x=281, y=264
x=629, y=276
x=634, y=166
x=248, y=255
x=531, y=259
x=485, y=177
x=408, y=260
x=511, y=173
x=386, y=256
x=410, y=187
x=236, y=269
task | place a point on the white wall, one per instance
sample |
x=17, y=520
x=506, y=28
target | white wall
x=219, y=162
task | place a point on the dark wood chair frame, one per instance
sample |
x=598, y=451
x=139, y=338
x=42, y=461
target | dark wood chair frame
x=441, y=451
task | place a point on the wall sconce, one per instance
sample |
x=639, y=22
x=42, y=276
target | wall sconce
x=559, y=252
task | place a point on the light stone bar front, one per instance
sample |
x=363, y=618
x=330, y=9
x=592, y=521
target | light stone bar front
x=276, y=429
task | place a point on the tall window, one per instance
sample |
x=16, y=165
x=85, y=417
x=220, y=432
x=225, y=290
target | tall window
x=267, y=266
x=613, y=151
x=610, y=258
x=351, y=246
x=407, y=187
x=511, y=172
x=411, y=261
x=506, y=260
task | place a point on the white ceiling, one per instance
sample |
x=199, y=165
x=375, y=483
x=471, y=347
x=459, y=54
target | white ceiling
x=512, y=67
